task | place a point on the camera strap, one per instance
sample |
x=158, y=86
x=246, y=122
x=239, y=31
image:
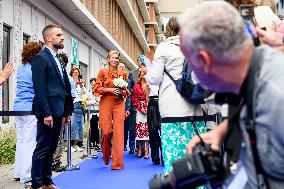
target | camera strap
x=253, y=75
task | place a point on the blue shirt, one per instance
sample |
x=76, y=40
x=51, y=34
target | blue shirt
x=72, y=84
x=24, y=90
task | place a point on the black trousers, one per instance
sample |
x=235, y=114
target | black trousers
x=47, y=139
x=95, y=133
x=132, y=126
x=126, y=129
x=154, y=126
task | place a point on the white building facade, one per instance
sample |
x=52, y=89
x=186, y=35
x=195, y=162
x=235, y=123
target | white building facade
x=22, y=21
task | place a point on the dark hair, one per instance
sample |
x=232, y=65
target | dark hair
x=73, y=69
x=47, y=28
x=30, y=50
x=172, y=27
x=93, y=79
x=63, y=58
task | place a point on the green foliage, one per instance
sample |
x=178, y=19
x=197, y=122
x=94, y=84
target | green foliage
x=7, y=146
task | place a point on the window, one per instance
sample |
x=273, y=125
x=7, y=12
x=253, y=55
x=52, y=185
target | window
x=25, y=39
x=147, y=5
x=83, y=68
x=100, y=11
x=147, y=29
x=5, y=59
x=164, y=22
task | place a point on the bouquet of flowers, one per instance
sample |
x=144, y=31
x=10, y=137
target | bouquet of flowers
x=81, y=95
x=84, y=101
x=122, y=85
x=120, y=82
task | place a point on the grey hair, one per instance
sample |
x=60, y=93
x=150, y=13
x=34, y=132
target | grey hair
x=217, y=27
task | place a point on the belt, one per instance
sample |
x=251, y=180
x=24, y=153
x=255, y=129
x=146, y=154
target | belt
x=153, y=97
x=107, y=94
x=190, y=119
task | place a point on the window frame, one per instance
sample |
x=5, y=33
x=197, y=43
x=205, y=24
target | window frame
x=5, y=58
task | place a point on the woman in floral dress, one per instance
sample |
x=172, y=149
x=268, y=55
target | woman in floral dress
x=176, y=128
x=140, y=103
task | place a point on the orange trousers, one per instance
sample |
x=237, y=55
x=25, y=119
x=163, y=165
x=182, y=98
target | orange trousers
x=111, y=121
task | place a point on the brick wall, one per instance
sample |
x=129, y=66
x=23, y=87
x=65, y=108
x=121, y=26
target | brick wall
x=108, y=13
x=151, y=53
x=137, y=12
x=152, y=12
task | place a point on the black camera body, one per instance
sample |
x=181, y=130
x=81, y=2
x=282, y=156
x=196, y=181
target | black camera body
x=201, y=167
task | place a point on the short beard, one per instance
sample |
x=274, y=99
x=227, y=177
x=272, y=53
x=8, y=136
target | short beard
x=58, y=45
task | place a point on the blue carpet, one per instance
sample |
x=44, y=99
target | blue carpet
x=93, y=174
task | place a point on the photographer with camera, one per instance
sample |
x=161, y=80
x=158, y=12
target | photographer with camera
x=223, y=57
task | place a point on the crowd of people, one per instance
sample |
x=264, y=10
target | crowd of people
x=143, y=112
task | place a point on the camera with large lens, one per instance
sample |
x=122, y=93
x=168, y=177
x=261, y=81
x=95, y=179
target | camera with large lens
x=202, y=167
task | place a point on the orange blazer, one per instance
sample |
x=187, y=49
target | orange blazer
x=105, y=80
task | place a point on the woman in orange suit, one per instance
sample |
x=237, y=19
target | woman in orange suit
x=111, y=111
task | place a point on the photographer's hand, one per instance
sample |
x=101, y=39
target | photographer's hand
x=213, y=137
x=269, y=38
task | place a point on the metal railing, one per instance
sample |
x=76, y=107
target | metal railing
x=69, y=166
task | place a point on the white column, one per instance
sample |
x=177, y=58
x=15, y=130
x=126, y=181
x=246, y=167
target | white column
x=1, y=46
x=17, y=32
x=16, y=51
x=34, y=35
x=1, y=34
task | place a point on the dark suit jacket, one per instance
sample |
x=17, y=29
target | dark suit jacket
x=51, y=97
x=132, y=80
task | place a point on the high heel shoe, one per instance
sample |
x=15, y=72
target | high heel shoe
x=139, y=155
x=146, y=156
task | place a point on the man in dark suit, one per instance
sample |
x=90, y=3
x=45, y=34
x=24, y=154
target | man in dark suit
x=52, y=105
x=131, y=111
